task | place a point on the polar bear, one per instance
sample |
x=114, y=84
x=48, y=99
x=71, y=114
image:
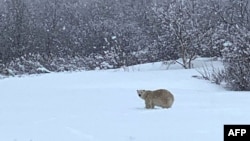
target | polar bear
x=161, y=97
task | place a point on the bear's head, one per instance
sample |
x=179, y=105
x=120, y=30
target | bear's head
x=141, y=93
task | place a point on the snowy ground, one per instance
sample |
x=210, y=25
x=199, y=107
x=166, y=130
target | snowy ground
x=104, y=106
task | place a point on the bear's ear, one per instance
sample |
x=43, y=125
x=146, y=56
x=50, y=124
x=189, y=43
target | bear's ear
x=137, y=91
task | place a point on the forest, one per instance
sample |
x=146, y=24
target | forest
x=41, y=36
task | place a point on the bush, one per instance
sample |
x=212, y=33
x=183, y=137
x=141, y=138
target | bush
x=236, y=58
x=213, y=74
x=237, y=68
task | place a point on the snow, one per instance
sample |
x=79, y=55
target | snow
x=227, y=43
x=198, y=63
x=113, y=37
x=104, y=106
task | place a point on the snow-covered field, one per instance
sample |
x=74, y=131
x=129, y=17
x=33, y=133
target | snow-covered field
x=104, y=106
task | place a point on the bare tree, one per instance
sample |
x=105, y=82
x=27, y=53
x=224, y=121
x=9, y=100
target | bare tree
x=187, y=27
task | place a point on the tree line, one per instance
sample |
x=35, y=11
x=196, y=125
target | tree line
x=62, y=35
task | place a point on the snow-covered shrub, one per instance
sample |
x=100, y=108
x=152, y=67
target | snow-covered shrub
x=236, y=60
x=27, y=64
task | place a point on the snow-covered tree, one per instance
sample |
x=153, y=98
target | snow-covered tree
x=236, y=58
x=236, y=55
x=14, y=39
x=186, y=27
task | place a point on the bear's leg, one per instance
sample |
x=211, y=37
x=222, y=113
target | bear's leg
x=152, y=106
x=166, y=106
x=147, y=103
